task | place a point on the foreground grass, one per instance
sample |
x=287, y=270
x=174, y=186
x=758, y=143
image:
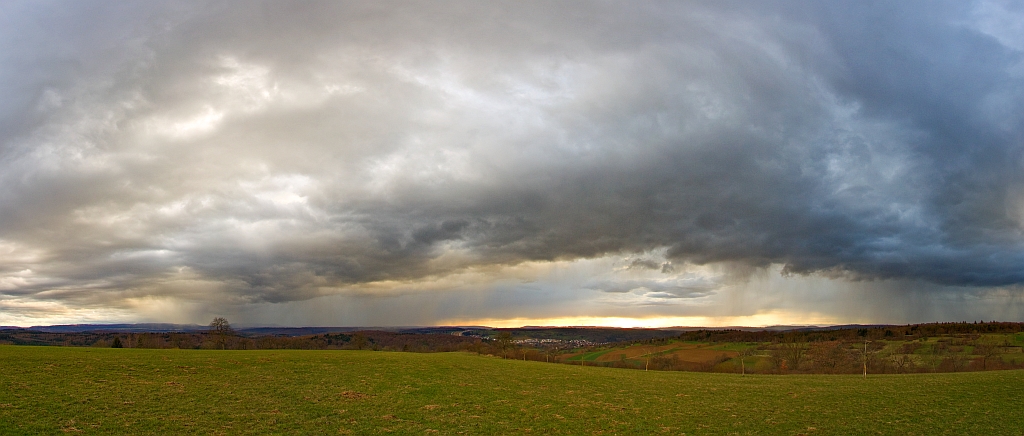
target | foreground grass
x=51, y=390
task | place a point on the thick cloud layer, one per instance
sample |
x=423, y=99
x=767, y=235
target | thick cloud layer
x=247, y=152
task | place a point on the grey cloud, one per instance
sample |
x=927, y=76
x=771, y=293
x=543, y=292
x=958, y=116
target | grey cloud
x=676, y=287
x=289, y=151
x=642, y=264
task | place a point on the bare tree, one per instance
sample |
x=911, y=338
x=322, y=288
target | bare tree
x=504, y=342
x=649, y=351
x=359, y=341
x=958, y=361
x=988, y=353
x=793, y=351
x=550, y=353
x=865, y=358
x=902, y=362
x=829, y=357
x=747, y=352
x=777, y=358
x=221, y=329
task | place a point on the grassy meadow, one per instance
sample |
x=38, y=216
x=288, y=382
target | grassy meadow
x=57, y=390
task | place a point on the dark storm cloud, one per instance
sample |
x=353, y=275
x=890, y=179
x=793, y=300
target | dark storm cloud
x=284, y=151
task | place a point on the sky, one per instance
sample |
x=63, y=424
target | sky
x=700, y=163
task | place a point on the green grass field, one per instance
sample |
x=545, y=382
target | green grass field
x=51, y=390
x=589, y=357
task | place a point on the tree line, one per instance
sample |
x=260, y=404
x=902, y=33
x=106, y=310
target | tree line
x=841, y=333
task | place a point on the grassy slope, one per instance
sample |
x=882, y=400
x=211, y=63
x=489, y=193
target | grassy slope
x=50, y=390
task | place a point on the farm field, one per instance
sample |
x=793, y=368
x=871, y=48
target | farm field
x=55, y=390
x=692, y=356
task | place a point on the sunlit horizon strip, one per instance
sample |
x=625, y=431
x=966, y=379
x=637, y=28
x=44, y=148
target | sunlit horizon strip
x=758, y=320
x=767, y=319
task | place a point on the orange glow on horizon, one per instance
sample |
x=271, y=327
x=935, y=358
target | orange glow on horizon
x=757, y=320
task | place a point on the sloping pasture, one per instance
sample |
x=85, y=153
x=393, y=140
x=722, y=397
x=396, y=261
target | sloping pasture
x=637, y=352
x=52, y=390
x=686, y=353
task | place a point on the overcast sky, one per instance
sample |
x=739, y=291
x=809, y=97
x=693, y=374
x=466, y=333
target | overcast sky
x=509, y=163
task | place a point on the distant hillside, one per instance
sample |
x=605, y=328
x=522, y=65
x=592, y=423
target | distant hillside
x=295, y=331
x=599, y=335
x=121, y=328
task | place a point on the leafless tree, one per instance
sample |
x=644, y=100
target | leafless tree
x=649, y=350
x=220, y=328
x=829, y=357
x=747, y=352
x=794, y=351
x=777, y=358
x=550, y=353
x=958, y=361
x=988, y=353
x=359, y=341
x=503, y=341
x=902, y=362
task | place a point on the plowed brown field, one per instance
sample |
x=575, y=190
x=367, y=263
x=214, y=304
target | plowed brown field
x=634, y=352
x=702, y=355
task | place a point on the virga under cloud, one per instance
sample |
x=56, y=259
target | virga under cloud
x=435, y=158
